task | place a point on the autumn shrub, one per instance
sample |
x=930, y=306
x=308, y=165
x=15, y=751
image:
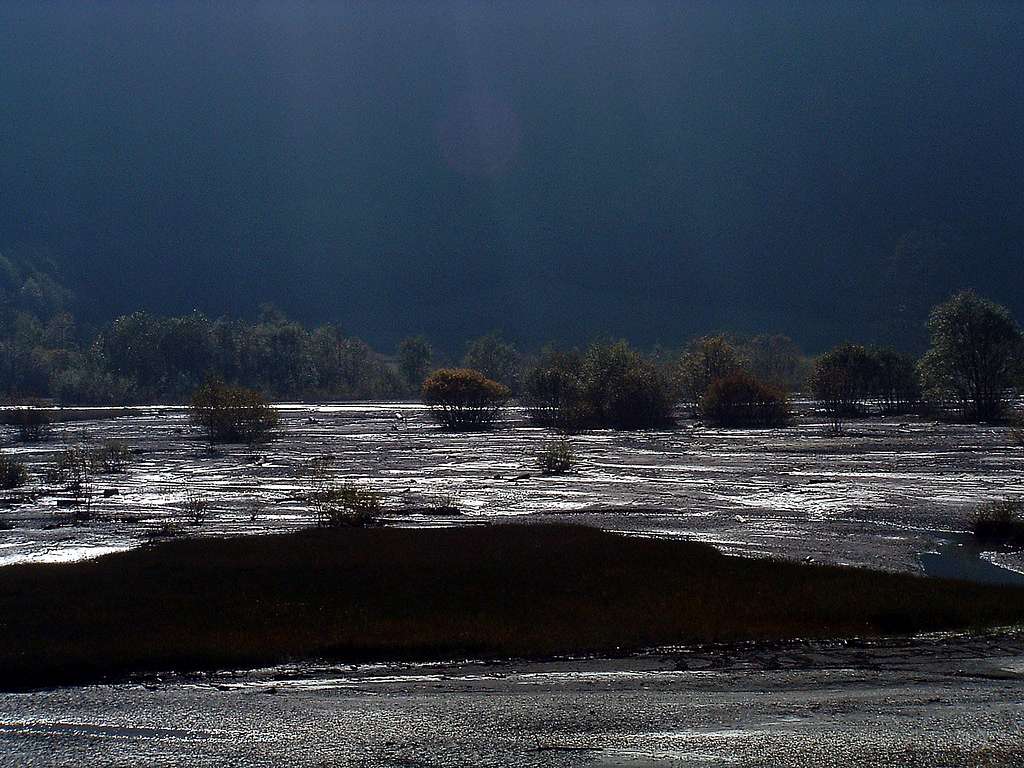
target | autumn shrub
x=740, y=400
x=463, y=399
x=707, y=359
x=640, y=398
x=231, y=414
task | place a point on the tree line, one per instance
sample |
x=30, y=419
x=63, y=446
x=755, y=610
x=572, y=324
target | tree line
x=970, y=371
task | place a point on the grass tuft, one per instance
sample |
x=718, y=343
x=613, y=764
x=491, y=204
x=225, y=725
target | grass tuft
x=1000, y=523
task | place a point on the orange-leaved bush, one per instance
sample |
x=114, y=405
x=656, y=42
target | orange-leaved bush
x=463, y=399
x=740, y=400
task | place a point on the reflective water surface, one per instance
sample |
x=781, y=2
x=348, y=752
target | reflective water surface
x=881, y=495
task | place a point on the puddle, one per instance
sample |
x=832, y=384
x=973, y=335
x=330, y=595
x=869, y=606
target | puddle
x=961, y=559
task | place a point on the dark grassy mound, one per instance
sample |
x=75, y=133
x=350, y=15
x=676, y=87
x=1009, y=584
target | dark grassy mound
x=386, y=593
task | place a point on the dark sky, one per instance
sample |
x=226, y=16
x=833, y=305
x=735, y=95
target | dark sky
x=555, y=170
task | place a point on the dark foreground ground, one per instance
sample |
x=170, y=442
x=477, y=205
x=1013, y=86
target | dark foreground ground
x=940, y=702
x=478, y=592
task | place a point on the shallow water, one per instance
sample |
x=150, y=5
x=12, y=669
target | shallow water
x=881, y=495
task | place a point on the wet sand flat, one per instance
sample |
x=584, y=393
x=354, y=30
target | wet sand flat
x=938, y=701
x=889, y=490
